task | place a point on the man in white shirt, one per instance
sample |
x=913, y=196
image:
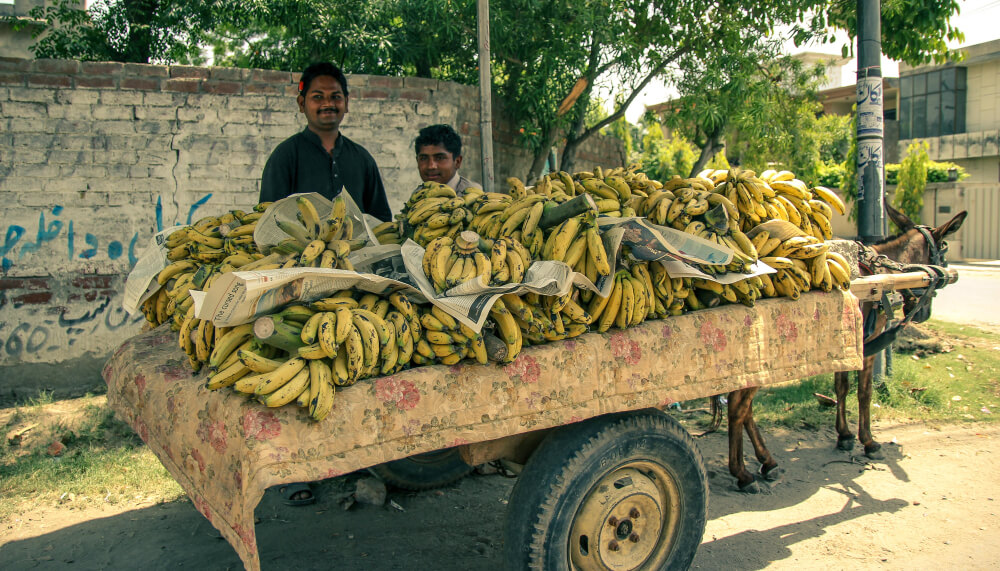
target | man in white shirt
x=439, y=155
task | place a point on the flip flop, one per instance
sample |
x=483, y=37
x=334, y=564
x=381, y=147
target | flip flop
x=289, y=491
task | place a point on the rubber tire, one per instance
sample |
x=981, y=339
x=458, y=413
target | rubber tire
x=568, y=463
x=424, y=471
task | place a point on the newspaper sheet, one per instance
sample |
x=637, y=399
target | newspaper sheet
x=674, y=249
x=241, y=297
x=141, y=281
x=649, y=241
x=471, y=302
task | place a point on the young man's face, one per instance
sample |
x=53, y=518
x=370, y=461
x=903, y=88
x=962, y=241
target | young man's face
x=436, y=164
x=324, y=104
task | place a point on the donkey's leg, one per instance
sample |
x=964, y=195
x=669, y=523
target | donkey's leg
x=845, y=439
x=768, y=467
x=872, y=448
x=738, y=410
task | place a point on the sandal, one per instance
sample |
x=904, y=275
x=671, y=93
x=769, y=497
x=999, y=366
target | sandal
x=297, y=494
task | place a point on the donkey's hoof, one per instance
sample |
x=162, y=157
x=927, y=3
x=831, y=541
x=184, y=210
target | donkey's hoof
x=751, y=487
x=874, y=451
x=772, y=474
x=845, y=443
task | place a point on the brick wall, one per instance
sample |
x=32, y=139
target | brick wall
x=95, y=157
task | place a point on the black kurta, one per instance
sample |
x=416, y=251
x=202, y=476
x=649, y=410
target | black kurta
x=301, y=164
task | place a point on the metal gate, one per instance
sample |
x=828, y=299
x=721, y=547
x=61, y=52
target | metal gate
x=981, y=229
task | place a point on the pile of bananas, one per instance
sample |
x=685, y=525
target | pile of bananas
x=448, y=263
x=802, y=263
x=435, y=210
x=302, y=352
x=777, y=195
x=615, y=191
x=445, y=340
x=216, y=245
x=539, y=318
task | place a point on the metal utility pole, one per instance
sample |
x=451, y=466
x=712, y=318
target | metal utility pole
x=870, y=159
x=485, y=94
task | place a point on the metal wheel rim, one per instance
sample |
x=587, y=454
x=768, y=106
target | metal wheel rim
x=627, y=521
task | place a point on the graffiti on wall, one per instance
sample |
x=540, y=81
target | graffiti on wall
x=92, y=327
x=17, y=243
x=52, y=330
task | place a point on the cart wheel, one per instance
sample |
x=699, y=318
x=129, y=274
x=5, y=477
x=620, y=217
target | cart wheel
x=622, y=491
x=424, y=471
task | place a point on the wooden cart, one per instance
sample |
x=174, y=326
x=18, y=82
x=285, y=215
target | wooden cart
x=610, y=481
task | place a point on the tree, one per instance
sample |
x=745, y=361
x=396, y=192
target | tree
x=663, y=158
x=912, y=32
x=909, y=197
x=136, y=31
x=426, y=38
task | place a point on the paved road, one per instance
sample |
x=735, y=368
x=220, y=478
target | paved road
x=973, y=300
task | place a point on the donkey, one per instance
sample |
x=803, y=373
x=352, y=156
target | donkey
x=914, y=245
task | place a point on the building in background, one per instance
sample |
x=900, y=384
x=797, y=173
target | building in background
x=17, y=43
x=955, y=108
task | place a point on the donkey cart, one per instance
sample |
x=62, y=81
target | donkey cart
x=609, y=481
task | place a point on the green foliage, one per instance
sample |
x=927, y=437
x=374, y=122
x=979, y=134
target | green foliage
x=830, y=174
x=718, y=162
x=427, y=38
x=104, y=460
x=833, y=132
x=664, y=158
x=909, y=196
x=136, y=31
x=936, y=172
x=913, y=32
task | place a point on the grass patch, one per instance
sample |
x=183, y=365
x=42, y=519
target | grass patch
x=102, y=462
x=957, y=386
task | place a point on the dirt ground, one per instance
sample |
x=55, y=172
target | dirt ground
x=933, y=502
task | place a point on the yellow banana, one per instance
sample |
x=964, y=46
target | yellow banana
x=287, y=392
x=280, y=376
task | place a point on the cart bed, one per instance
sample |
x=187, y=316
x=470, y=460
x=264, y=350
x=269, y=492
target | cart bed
x=225, y=449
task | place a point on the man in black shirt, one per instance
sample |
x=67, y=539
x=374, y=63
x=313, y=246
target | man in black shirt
x=321, y=158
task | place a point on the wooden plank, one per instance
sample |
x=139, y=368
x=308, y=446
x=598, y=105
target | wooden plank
x=868, y=288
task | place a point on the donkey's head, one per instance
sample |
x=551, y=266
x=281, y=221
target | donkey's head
x=920, y=245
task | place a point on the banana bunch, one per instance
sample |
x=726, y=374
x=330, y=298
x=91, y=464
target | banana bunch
x=445, y=340
x=198, y=254
x=518, y=218
x=541, y=319
x=388, y=233
x=436, y=210
x=507, y=329
x=670, y=294
x=802, y=263
x=302, y=352
x=449, y=262
x=316, y=242
x=809, y=209
x=509, y=261
x=698, y=206
x=632, y=300
x=777, y=195
x=556, y=186
x=706, y=293
x=613, y=192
